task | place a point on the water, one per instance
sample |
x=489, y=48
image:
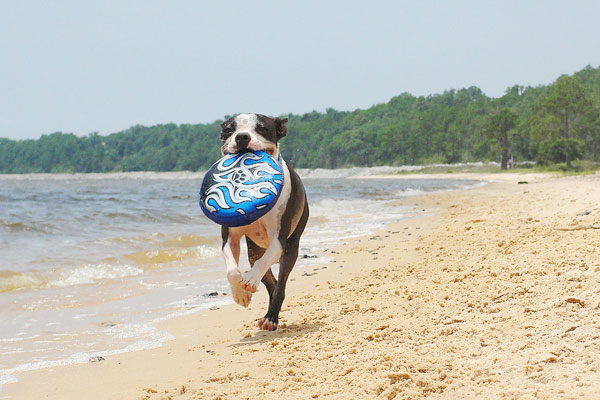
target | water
x=90, y=263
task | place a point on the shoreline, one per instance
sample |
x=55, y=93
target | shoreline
x=28, y=355
x=341, y=319
x=487, y=177
x=164, y=325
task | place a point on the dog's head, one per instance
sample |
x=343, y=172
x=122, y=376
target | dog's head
x=252, y=132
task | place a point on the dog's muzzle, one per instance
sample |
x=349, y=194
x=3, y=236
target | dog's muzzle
x=241, y=140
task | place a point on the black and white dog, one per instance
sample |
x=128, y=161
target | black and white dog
x=275, y=236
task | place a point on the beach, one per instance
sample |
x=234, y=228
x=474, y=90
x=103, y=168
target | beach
x=491, y=292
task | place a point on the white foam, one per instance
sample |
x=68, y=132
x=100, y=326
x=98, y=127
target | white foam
x=89, y=273
x=11, y=340
x=68, y=276
x=410, y=192
x=6, y=379
x=153, y=338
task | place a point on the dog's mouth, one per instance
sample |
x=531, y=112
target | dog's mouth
x=271, y=150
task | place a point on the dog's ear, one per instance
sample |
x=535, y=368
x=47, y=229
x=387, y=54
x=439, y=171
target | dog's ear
x=227, y=128
x=280, y=127
x=227, y=123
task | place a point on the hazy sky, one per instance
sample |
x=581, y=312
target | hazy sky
x=83, y=66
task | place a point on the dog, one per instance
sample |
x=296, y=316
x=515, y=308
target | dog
x=275, y=236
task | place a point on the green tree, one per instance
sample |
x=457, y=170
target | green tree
x=556, y=123
x=499, y=128
x=571, y=107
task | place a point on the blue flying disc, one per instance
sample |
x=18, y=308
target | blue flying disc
x=240, y=188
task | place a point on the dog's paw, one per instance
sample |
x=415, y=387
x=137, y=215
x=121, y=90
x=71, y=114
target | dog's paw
x=247, y=286
x=266, y=324
x=249, y=282
x=241, y=296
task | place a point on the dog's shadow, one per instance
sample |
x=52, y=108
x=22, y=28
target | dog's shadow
x=290, y=331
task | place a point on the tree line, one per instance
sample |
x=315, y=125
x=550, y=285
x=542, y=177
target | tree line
x=552, y=123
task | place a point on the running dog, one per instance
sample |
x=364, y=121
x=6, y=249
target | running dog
x=275, y=236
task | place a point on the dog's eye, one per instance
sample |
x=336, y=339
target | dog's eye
x=261, y=129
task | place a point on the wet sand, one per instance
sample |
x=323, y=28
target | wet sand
x=494, y=294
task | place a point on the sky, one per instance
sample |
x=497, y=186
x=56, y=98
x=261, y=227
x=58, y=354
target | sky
x=103, y=66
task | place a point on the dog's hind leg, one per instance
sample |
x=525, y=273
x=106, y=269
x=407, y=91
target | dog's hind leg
x=270, y=282
x=286, y=264
x=254, y=253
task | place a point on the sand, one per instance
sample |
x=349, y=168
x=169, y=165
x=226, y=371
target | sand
x=495, y=293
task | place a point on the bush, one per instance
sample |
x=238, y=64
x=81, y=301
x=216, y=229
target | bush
x=560, y=151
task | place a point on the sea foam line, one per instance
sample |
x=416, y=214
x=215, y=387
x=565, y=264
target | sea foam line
x=157, y=338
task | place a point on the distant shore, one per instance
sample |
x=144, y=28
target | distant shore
x=486, y=177
x=492, y=294
x=468, y=170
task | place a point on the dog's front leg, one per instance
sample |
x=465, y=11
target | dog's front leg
x=231, y=253
x=252, y=278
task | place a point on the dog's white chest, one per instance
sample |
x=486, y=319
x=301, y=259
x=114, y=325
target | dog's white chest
x=267, y=227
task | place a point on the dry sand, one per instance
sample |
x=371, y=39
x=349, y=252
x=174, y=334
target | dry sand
x=495, y=294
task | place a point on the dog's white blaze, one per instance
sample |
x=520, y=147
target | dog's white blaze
x=246, y=122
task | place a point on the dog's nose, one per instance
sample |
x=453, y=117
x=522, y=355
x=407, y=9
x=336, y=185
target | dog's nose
x=242, y=139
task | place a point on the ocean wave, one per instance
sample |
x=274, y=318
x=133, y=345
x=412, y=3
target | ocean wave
x=459, y=185
x=172, y=256
x=333, y=220
x=184, y=250
x=22, y=226
x=84, y=274
x=13, y=280
x=158, y=239
x=188, y=241
x=90, y=273
x=142, y=175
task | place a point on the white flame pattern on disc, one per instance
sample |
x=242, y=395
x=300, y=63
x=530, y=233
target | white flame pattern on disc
x=231, y=178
